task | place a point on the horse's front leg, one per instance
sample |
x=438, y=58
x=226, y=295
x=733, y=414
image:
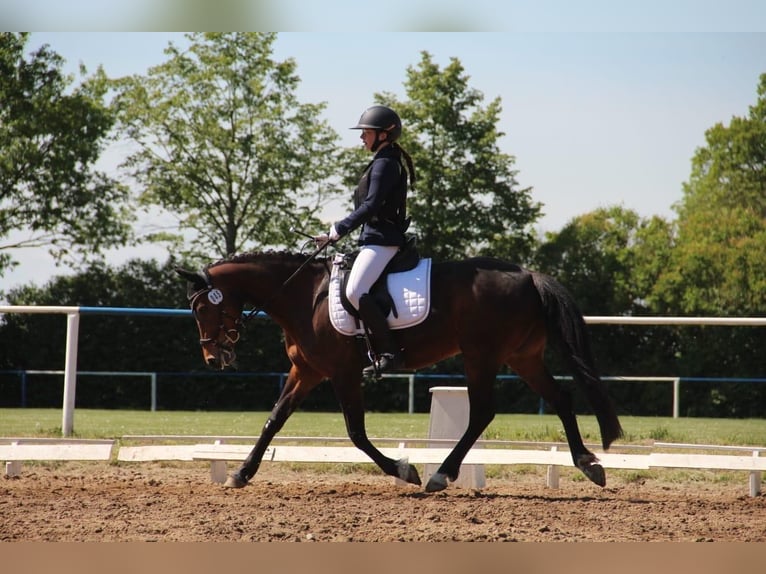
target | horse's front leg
x=480, y=414
x=348, y=390
x=298, y=384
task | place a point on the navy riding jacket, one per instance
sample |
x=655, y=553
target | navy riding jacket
x=379, y=201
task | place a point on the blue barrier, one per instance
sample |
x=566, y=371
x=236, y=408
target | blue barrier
x=134, y=311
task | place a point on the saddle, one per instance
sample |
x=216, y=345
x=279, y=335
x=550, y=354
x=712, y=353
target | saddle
x=402, y=290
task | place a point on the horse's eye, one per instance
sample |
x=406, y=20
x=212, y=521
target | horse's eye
x=201, y=310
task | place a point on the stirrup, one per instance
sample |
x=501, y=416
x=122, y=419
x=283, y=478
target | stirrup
x=386, y=362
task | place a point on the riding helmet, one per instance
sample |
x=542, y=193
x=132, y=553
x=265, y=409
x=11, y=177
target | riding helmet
x=381, y=118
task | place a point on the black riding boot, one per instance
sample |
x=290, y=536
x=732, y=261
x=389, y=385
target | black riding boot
x=389, y=355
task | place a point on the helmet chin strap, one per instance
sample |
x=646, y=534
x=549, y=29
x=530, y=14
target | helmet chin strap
x=379, y=142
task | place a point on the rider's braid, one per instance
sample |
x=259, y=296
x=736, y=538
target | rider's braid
x=408, y=159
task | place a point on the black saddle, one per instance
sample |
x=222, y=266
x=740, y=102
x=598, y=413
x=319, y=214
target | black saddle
x=406, y=258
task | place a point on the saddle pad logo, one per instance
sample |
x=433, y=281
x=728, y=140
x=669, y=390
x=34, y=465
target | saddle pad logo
x=410, y=291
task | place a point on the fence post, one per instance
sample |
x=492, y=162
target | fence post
x=70, y=373
x=411, y=394
x=154, y=391
x=676, y=396
x=754, y=480
x=23, y=389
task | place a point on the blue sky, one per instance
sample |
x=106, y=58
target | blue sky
x=593, y=118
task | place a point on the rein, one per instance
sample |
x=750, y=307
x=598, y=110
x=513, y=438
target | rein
x=233, y=335
x=260, y=308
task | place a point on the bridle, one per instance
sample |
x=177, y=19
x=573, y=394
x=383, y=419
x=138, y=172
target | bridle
x=226, y=353
x=232, y=335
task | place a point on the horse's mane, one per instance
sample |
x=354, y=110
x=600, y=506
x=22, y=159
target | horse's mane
x=257, y=256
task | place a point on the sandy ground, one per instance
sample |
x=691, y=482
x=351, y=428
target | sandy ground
x=178, y=502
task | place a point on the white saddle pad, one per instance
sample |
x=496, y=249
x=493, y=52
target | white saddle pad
x=410, y=291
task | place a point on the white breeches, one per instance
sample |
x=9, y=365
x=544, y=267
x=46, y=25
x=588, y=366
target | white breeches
x=368, y=266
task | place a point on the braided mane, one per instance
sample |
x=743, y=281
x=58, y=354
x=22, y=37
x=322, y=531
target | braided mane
x=253, y=256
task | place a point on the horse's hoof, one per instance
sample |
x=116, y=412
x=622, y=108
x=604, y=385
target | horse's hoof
x=235, y=482
x=407, y=472
x=596, y=473
x=437, y=482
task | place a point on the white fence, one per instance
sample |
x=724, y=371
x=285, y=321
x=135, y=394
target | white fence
x=220, y=450
x=73, y=314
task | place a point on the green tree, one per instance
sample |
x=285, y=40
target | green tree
x=730, y=170
x=223, y=142
x=51, y=134
x=466, y=200
x=719, y=262
x=609, y=259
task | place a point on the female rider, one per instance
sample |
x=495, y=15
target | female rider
x=380, y=209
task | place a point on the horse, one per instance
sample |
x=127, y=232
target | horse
x=491, y=311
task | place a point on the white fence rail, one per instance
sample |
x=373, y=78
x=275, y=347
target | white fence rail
x=15, y=450
x=218, y=450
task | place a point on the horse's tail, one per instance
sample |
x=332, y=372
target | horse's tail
x=567, y=331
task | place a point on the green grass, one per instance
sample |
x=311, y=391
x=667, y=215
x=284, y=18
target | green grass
x=90, y=423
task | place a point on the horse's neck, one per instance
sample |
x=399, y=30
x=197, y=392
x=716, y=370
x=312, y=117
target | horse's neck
x=287, y=292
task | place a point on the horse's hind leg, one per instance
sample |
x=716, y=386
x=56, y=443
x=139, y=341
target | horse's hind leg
x=534, y=373
x=348, y=390
x=481, y=412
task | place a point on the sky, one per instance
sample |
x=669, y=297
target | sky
x=596, y=113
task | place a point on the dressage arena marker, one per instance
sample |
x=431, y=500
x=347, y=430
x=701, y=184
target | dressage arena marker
x=219, y=450
x=555, y=458
x=448, y=420
x=16, y=450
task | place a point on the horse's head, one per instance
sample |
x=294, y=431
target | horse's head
x=218, y=315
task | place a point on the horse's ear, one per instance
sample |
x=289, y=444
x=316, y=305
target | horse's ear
x=196, y=278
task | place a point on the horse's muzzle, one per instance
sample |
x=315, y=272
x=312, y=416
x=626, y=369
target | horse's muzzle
x=223, y=357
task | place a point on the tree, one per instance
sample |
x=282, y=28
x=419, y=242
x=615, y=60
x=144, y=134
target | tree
x=730, y=171
x=224, y=143
x=719, y=262
x=51, y=134
x=609, y=259
x=466, y=199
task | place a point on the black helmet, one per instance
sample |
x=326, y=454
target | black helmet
x=381, y=118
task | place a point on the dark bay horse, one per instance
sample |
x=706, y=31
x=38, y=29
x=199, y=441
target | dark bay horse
x=493, y=312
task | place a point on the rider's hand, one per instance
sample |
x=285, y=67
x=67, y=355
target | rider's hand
x=320, y=240
x=330, y=237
